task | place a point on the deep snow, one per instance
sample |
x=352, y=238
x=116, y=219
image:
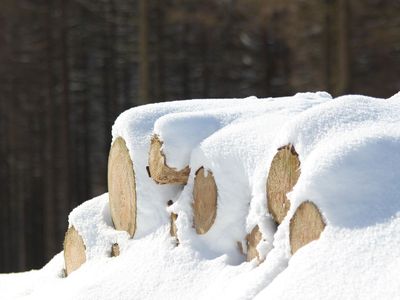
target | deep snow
x=349, y=148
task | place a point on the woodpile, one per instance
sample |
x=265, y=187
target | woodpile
x=204, y=201
x=122, y=187
x=74, y=250
x=158, y=168
x=306, y=225
x=283, y=175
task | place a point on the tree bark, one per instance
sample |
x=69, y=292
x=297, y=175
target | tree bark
x=343, y=48
x=144, y=63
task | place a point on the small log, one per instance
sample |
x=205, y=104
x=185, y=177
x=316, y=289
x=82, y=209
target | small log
x=306, y=225
x=122, y=187
x=204, y=201
x=74, y=250
x=158, y=168
x=283, y=175
x=115, y=250
x=173, y=229
x=252, y=240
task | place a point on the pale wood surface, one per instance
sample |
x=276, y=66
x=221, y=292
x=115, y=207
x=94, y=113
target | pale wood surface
x=122, y=187
x=74, y=250
x=283, y=175
x=204, y=201
x=253, y=238
x=158, y=168
x=306, y=225
x=115, y=250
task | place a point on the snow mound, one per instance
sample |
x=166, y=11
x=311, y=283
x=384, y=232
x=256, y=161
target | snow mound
x=349, y=149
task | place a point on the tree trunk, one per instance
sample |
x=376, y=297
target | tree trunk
x=343, y=48
x=144, y=63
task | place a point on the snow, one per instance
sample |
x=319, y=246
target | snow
x=349, y=153
x=136, y=127
x=232, y=155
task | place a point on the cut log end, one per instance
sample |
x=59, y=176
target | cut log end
x=283, y=175
x=204, y=201
x=122, y=187
x=306, y=225
x=173, y=229
x=158, y=168
x=74, y=251
x=253, y=239
x=115, y=250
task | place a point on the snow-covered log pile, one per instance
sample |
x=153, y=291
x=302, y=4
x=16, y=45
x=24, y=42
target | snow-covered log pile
x=304, y=187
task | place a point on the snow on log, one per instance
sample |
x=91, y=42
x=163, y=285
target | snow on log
x=122, y=187
x=283, y=175
x=252, y=240
x=204, y=201
x=306, y=225
x=74, y=250
x=158, y=168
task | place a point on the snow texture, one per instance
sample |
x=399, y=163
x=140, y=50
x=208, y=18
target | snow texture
x=136, y=126
x=349, y=148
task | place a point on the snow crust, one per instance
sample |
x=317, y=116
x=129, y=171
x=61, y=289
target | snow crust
x=349, y=148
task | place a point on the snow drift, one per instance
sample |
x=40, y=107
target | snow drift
x=349, y=149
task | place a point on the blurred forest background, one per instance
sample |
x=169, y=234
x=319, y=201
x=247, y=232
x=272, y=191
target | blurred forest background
x=69, y=67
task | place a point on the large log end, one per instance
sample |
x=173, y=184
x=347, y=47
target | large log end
x=159, y=171
x=74, y=250
x=122, y=187
x=283, y=175
x=306, y=225
x=204, y=201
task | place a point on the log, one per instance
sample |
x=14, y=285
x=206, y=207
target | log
x=115, y=250
x=172, y=227
x=252, y=240
x=158, y=169
x=283, y=175
x=74, y=250
x=122, y=187
x=204, y=201
x=306, y=225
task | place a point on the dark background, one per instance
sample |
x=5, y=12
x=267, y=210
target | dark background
x=69, y=67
